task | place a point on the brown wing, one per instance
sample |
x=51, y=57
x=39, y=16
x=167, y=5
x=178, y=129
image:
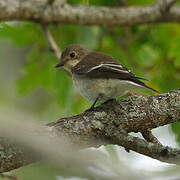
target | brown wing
x=93, y=60
x=98, y=65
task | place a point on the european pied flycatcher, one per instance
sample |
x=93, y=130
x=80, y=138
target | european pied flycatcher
x=97, y=76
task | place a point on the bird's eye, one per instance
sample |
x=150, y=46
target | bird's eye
x=72, y=55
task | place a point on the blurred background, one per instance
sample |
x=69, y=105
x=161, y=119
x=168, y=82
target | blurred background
x=32, y=89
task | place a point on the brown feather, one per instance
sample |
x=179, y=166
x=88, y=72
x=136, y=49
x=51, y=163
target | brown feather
x=94, y=59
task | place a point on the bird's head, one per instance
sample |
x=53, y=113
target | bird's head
x=71, y=56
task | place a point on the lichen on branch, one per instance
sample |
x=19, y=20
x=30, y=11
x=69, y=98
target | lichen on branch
x=110, y=123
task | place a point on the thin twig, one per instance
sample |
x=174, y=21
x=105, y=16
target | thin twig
x=165, y=5
x=52, y=43
x=147, y=134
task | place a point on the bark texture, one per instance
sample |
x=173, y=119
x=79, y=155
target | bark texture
x=110, y=123
x=46, y=11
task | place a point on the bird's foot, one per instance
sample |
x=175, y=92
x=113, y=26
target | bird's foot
x=92, y=108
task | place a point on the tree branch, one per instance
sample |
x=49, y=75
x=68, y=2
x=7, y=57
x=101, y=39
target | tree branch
x=110, y=123
x=52, y=43
x=45, y=12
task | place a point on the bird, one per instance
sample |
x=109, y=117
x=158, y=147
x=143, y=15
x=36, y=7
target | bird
x=97, y=76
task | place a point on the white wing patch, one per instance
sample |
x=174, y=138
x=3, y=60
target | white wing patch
x=134, y=84
x=95, y=67
x=116, y=67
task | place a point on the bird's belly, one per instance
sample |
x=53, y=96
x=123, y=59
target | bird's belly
x=103, y=88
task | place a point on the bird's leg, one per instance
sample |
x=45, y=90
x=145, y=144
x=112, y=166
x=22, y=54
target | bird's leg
x=94, y=103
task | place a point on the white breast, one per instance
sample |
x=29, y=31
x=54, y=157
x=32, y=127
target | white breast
x=107, y=88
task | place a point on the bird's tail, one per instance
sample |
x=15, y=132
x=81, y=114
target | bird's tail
x=144, y=85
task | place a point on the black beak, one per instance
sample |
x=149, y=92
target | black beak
x=59, y=64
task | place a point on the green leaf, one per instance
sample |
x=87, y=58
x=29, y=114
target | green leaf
x=22, y=33
x=176, y=129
